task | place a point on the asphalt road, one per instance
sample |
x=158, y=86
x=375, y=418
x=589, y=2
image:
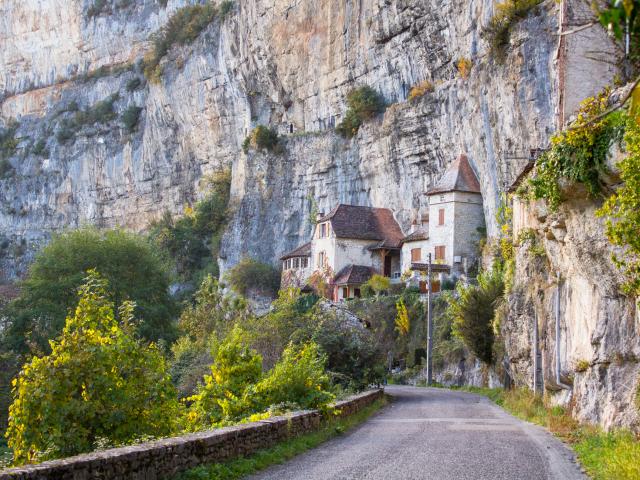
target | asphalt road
x=435, y=434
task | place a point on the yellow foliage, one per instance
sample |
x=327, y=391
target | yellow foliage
x=464, y=66
x=421, y=89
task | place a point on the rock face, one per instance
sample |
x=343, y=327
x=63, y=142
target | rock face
x=289, y=64
x=599, y=345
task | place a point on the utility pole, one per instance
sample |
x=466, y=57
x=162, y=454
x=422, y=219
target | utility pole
x=429, y=325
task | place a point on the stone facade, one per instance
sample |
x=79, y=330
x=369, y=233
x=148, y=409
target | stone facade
x=163, y=458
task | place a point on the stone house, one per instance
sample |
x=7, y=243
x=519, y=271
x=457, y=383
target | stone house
x=352, y=243
x=452, y=228
x=349, y=245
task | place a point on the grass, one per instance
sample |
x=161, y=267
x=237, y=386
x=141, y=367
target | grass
x=282, y=452
x=604, y=455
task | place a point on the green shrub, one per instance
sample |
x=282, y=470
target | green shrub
x=250, y=274
x=261, y=138
x=363, y=103
x=579, y=153
x=225, y=8
x=379, y=284
x=101, y=112
x=507, y=15
x=40, y=148
x=473, y=312
x=299, y=378
x=98, y=385
x=193, y=241
x=622, y=211
x=226, y=395
x=420, y=89
x=133, y=84
x=97, y=8
x=8, y=146
x=129, y=263
x=182, y=29
x=582, y=365
x=130, y=118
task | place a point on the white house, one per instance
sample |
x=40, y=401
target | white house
x=349, y=245
x=352, y=243
x=452, y=227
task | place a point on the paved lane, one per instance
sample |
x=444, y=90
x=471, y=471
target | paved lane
x=435, y=434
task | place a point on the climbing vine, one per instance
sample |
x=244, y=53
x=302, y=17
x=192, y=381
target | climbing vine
x=622, y=210
x=578, y=154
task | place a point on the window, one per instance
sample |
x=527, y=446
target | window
x=441, y=216
x=416, y=254
x=284, y=265
x=322, y=258
x=356, y=293
x=296, y=263
x=440, y=254
x=323, y=230
x=304, y=262
x=345, y=292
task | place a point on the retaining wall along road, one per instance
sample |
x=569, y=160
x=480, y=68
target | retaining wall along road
x=163, y=458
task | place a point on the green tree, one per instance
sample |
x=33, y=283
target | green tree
x=193, y=240
x=127, y=261
x=473, y=312
x=379, y=284
x=355, y=358
x=98, y=384
x=211, y=316
x=403, y=324
x=298, y=378
x=364, y=103
x=224, y=396
x=250, y=274
x=622, y=211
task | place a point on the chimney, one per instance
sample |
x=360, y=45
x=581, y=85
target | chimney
x=414, y=226
x=319, y=215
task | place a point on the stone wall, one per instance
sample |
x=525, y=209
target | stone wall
x=164, y=458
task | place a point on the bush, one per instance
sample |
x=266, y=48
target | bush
x=8, y=146
x=354, y=359
x=225, y=9
x=130, y=265
x=130, y=118
x=212, y=315
x=133, y=84
x=506, y=16
x=363, y=103
x=193, y=241
x=579, y=153
x=378, y=283
x=40, y=148
x=420, y=89
x=98, y=384
x=261, y=138
x=622, y=211
x=101, y=112
x=299, y=378
x=473, y=312
x=464, y=66
x=225, y=396
x=98, y=7
x=250, y=274
x=182, y=29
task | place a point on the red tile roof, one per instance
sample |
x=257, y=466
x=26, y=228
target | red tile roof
x=459, y=177
x=301, y=251
x=365, y=223
x=353, y=275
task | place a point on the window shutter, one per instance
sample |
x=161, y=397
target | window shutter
x=441, y=216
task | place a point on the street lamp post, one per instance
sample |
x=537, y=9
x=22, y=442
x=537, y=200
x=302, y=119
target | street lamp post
x=429, y=325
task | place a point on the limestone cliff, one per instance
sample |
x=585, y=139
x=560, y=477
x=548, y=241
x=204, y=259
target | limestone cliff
x=288, y=64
